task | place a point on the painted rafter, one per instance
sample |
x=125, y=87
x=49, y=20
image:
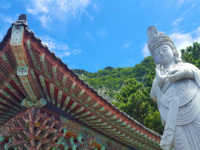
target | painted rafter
x=83, y=114
x=10, y=97
x=64, y=106
x=14, y=91
x=52, y=93
x=64, y=81
x=28, y=46
x=43, y=63
x=59, y=98
x=17, y=82
x=42, y=82
x=39, y=88
x=71, y=107
x=102, y=109
x=77, y=111
x=8, y=103
x=54, y=70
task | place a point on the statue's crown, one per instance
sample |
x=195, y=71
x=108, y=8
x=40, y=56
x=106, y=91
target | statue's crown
x=157, y=39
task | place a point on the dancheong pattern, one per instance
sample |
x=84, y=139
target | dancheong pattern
x=45, y=106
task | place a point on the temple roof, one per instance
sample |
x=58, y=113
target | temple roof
x=52, y=80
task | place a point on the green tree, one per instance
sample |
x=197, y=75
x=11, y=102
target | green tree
x=133, y=99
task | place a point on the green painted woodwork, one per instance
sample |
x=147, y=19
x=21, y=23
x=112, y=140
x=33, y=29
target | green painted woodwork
x=94, y=121
x=77, y=111
x=71, y=107
x=10, y=97
x=38, y=104
x=17, y=46
x=43, y=63
x=15, y=107
x=64, y=81
x=42, y=81
x=64, y=106
x=54, y=69
x=59, y=98
x=22, y=73
x=14, y=91
x=7, y=109
x=37, y=83
x=17, y=82
x=28, y=46
x=79, y=138
x=1, y=138
x=118, y=120
x=52, y=93
x=88, y=118
x=83, y=114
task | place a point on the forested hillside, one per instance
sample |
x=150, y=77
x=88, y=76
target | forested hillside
x=128, y=88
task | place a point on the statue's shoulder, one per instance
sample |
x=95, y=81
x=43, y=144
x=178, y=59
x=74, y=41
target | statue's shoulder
x=187, y=65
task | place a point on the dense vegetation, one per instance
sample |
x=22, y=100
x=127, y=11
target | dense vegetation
x=128, y=88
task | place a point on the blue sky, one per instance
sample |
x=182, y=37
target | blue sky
x=93, y=34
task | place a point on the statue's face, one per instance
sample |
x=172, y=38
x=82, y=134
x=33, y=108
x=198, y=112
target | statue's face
x=163, y=55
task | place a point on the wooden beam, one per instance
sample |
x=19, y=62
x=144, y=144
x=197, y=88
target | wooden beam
x=64, y=105
x=14, y=91
x=88, y=118
x=42, y=82
x=77, y=111
x=37, y=83
x=59, y=98
x=52, y=93
x=54, y=70
x=6, y=102
x=83, y=114
x=28, y=46
x=71, y=107
x=10, y=97
x=43, y=63
x=17, y=82
x=64, y=81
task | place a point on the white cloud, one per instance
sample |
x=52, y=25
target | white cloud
x=76, y=51
x=183, y=40
x=61, y=50
x=89, y=36
x=183, y=15
x=145, y=51
x=127, y=45
x=181, y=2
x=177, y=21
x=5, y=6
x=102, y=33
x=95, y=6
x=45, y=20
x=58, y=10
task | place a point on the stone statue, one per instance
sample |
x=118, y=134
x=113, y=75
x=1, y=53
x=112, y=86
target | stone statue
x=176, y=89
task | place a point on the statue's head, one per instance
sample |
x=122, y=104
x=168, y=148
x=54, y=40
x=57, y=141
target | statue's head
x=159, y=43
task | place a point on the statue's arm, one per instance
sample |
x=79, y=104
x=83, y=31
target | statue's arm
x=153, y=96
x=153, y=93
x=193, y=72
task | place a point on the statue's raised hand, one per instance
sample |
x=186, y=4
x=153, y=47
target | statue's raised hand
x=161, y=74
x=176, y=75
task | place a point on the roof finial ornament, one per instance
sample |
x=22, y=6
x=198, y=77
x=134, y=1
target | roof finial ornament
x=22, y=19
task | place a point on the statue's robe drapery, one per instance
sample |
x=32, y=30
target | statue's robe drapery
x=179, y=107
